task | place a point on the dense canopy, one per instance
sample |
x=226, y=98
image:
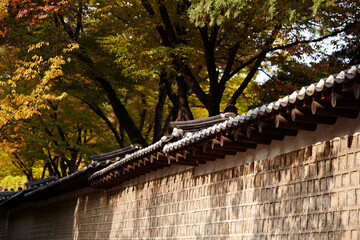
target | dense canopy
x=81, y=77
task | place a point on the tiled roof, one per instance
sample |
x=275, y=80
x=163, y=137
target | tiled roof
x=41, y=182
x=117, y=154
x=6, y=194
x=268, y=109
x=206, y=139
x=69, y=183
x=181, y=128
x=199, y=124
x=134, y=156
x=52, y=186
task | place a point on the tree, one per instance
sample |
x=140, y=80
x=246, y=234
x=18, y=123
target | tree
x=60, y=139
x=137, y=65
x=230, y=37
x=66, y=22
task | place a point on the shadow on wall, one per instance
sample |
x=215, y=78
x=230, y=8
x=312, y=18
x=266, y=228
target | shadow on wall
x=308, y=194
x=4, y=215
x=93, y=216
x=157, y=207
x=47, y=219
x=312, y=193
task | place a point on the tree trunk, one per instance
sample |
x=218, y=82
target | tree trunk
x=71, y=166
x=159, y=110
x=119, y=109
x=143, y=113
x=167, y=121
x=184, y=112
x=63, y=167
x=53, y=166
x=214, y=107
x=121, y=113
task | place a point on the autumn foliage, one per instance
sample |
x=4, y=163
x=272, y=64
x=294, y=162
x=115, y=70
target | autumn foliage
x=83, y=77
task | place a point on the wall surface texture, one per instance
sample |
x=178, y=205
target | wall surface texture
x=311, y=193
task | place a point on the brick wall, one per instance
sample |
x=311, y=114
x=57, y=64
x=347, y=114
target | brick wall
x=312, y=193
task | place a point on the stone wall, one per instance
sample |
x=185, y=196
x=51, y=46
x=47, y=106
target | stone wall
x=311, y=193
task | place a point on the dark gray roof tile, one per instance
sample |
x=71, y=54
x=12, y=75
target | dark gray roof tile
x=304, y=92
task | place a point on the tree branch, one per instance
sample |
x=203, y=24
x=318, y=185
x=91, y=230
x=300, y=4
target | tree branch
x=159, y=110
x=67, y=27
x=166, y=21
x=193, y=83
x=96, y=109
x=119, y=109
x=47, y=130
x=143, y=113
x=246, y=81
x=21, y=165
x=265, y=51
x=230, y=61
x=78, y=23
x=248, y=62
x=313, y=40
x=169, y=40
x=148, y=7
x=170, y=92
x=52, y=166
x=79, y=130
x=256, y=65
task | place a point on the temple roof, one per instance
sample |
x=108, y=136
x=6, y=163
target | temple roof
x=117, y=154
x=199, y=124
x=336, y=104
x=40, y=182
x=6, y=194
x=206, y=139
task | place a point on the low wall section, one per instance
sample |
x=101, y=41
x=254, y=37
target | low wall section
x=311, y=193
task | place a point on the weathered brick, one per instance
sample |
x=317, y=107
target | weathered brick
x=344, y=218
x=357, y=158
x=325, y=201
x=303, y=187
x=354, y=178
x=331, y=235
x=321, y=167
x=350, y=198
x=297, y=188
x=335, y=146
x=342, y=198
x=355, y=234
x=310, y=186
x=336, y=219
x=353, y=217
x=345, y=179
x=323, y=186
x=342, y=162
x=301, y=171
x=338, y=181
x=351, y=160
